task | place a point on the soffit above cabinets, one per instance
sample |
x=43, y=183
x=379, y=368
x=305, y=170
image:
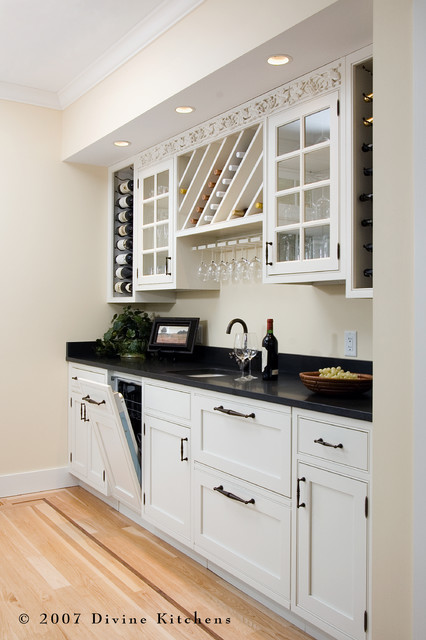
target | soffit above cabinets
x=338, y=30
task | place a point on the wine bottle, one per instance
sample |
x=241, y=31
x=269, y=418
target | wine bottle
x=240, y=154
x=205, y=197
x=367, y=146
x=125, y=202
x=124, y=258
x=226, y=180
x=233, y=167
x=125, y=230
x=217, y=172
x=124, y=216
x=238, y=213
x=368, y=171
x=367, y=222
x=125, y=187
x=124, y=244
x=258, y=205
x=364, y=197
x=368, y=97
x=199, y=209
x=183, y=191
x=368, y=273
x=368, y=122
x=123, y=287
x=124, y=273
x=269, y=353
x=368, y=246
x=211, y=185
x=214, y=207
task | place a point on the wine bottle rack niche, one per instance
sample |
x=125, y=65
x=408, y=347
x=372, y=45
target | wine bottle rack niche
x=122, y=264
x=221, y=182
x=363, y=175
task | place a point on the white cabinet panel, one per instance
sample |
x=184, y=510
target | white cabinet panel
x=167, y=490
x=251, y=541
x=331, y=551
x=168, y=401
x=109, y=421
x=255, y=445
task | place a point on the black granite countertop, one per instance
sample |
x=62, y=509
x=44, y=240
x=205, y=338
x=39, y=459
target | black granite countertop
x=287, y=390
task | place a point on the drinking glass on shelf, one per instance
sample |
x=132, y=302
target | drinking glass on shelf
x=240, y=353
x=255, y=269
x=250, y=350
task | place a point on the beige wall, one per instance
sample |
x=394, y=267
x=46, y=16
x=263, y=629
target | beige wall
x=307, y=319
x=393, y=321
x=53, y=244
x=161, y=70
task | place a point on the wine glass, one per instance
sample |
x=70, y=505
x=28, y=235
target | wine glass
x=240, y=353
x=250, y=350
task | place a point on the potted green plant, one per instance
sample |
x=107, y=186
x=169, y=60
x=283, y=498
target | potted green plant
x=128, y=335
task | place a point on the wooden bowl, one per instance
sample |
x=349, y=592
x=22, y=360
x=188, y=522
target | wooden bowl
x=340, y=386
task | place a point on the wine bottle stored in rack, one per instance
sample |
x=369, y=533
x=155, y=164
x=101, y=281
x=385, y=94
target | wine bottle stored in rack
x=123, y=287
x=366, y=197
x=368, y=246
x=124, y=244
x=124, y=273
x=367, y=146
x=368, y=273
x=125, y=202
x=367, y=222
x=125, y=229
x=124, y=216
x=125, y=187
x=368, y=171
x=124, y=258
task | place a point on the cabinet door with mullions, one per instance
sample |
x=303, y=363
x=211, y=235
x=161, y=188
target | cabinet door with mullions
x=154, y=225
x=302, y=224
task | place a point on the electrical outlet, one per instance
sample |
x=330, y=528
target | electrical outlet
x=350, y=343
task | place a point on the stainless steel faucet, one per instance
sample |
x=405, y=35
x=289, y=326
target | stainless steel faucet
x=234, y=321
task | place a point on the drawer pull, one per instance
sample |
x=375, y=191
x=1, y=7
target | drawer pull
x=230, y=412
x=298, y=503
x=232, y=496
x=182, y=440
x=89, y=399
x=328, y=444
x=74, y=378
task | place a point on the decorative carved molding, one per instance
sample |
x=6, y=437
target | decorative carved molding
x=308, y=86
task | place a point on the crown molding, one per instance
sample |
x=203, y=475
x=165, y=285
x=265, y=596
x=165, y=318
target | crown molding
x=316, y=83
x=165, y=16
x=29, y=95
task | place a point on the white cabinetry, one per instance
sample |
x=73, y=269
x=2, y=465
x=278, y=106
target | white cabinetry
x=84, y=455
x=302, y=225
x=167, y=459
x=330, y=553
x=242, y=471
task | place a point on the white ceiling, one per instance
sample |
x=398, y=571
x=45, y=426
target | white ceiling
x=79, y=42
x=53, y=51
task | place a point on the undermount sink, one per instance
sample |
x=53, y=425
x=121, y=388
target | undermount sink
x=206, y=373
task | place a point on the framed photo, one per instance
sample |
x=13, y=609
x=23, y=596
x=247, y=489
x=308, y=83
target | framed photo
x=173, y=335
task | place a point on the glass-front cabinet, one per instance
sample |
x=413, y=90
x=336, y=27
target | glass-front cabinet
x=154, y=225
x=302, y=227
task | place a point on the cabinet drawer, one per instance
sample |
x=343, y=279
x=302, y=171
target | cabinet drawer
x=251, y=541
x=167, y=401
x=80, y=371
x=349, y=446
x=255, y=446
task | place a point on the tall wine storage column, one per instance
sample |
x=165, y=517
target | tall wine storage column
x=360, y=174
x=122, y=266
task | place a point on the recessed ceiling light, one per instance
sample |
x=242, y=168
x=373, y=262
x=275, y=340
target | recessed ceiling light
x=185, y=109
x=122, y=143
x=279, y=58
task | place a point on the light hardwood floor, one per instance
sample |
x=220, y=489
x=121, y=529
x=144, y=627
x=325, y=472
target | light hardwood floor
x=72, y=567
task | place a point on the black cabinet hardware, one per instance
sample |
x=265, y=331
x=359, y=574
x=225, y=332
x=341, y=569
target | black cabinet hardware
x=168, y=273
x=91, y=401
x=267, y=244
x=232, y=496
x=298, y=503
x=230, y=412
x=182, y=440
x=328, y=444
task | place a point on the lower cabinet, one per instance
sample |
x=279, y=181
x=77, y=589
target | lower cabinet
x=245, y=530
x=330, y=524
x=85, y=457
x=167, y=488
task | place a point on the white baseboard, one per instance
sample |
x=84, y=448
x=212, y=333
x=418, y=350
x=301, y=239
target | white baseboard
x=33, y=481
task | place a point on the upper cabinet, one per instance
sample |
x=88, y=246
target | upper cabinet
x=154, y=220
x=289, y=171
x=302, y=222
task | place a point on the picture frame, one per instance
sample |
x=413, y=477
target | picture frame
x=173, y=335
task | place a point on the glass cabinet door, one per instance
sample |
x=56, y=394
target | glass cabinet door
x=154, y=224
x=302, y=224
